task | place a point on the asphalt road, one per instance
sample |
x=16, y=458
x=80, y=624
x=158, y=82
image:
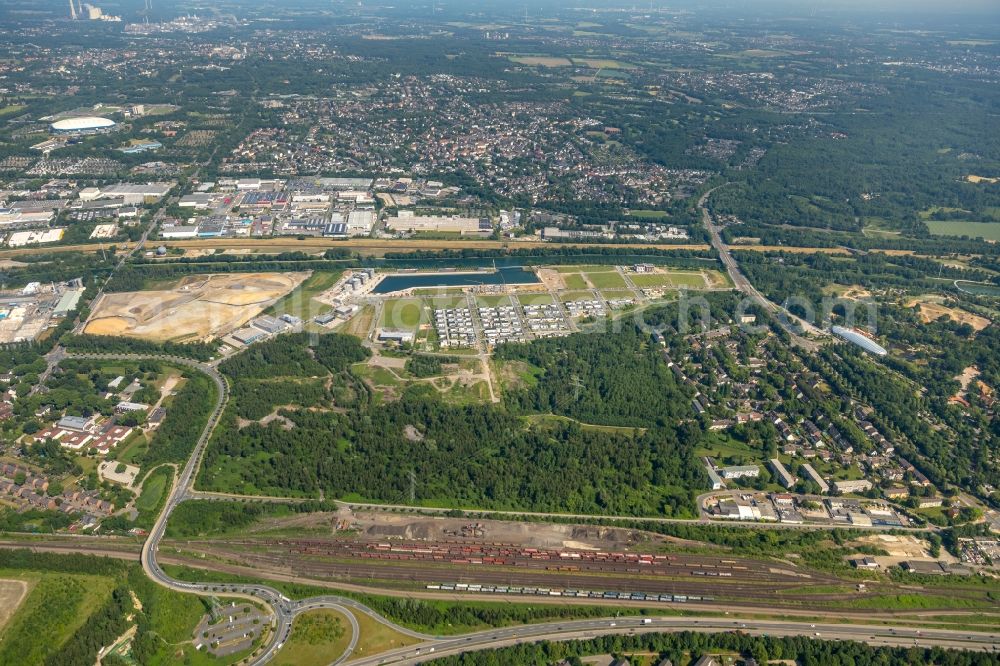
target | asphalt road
x=744, y=285
x=585, y=629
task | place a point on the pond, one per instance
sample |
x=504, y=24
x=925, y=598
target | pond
x=505, y=275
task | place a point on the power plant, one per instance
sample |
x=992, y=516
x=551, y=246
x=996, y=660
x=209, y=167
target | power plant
x=92, y=13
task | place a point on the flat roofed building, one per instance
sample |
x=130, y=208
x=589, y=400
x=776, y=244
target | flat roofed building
x=360, y=222
x=126, y=406
x=196, y=200
x=406, y=221
x=22, y=238
x=138, y=193
x=248, y=335
x=714, y=478
x=740, y=471
x=179, y=231
x=78, y=423
x=395, y=336
x=815, y=477
x=269, y=324
x=852, y=486
x=67, y=303
x=785, y=477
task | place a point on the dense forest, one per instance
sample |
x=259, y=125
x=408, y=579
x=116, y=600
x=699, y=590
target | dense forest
x=610, y=379
x=418, y=448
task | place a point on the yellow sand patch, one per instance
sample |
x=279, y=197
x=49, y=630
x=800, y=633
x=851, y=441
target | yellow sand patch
x=981, y=179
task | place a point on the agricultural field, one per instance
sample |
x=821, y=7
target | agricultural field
x=986, y=230
x=541, y=61
x=198, y=308
x=602, y=63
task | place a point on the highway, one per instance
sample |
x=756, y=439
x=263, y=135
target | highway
x=784, y=317
x=285, y=610
x=585, y=629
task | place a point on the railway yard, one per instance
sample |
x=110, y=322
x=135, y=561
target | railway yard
x=506, y=569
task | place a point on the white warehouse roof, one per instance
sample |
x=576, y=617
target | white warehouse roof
x=81, y=124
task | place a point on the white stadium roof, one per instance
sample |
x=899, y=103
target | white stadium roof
x=860, y=340
x=79, y=124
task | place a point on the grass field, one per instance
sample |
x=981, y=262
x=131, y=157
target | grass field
x=607, y=280
x=691, y=280
x=134, y=446
x=574, y=281
x=985, y=230
x=535, y=299
x=402, y=313
x=651, y=280
x=318, y=638
x=567, y=296
x=56, y=607
x=376, y=637
x=359, y=324
x=649, y=214
x=299, y=301
x=447, y=301
x=154, y=491
x=492, y=300
x=11, y=109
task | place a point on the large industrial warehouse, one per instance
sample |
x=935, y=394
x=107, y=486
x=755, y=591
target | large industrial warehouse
x=86, y=125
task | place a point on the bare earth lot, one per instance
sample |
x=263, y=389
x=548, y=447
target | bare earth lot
x=12, y=593
x=197, y=308
x=932, y=309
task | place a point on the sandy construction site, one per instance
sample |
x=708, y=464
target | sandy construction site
x=198, y=308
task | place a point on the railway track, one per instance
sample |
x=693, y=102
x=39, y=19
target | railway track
x=414, y=563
